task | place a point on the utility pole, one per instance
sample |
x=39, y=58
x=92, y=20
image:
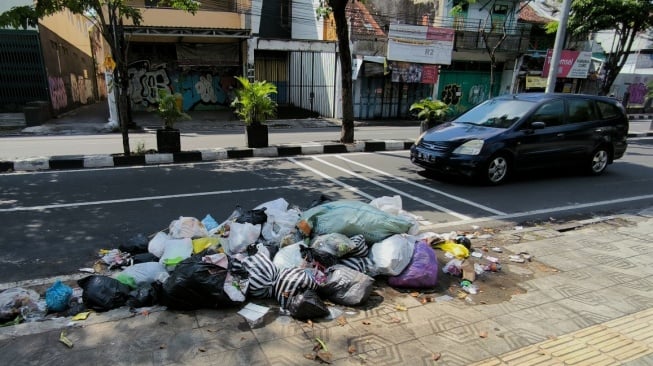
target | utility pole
x=557, y=47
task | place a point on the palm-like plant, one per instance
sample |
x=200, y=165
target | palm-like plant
x=253, y=104
x=431, y=111
x=168, y=109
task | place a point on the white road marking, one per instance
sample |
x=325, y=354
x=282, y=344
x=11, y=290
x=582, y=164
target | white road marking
x=456, y=198
x=402, y=193
x=543, y=211
x=333, y=180
x=137, y=199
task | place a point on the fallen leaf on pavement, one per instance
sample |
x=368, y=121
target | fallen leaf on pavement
x=401, y=308
x=366, y=322
x=351, y=350
x=482, y=334
x=201, y=349
x=341, y=321
x=414, y=294
x=436, y=356
x=324, y=356
x=310, y=356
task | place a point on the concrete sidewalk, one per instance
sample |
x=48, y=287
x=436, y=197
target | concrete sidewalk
x=587, y=301
x=91, y=120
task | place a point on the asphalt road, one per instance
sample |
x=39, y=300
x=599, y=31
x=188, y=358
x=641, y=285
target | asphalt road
x=55, y=222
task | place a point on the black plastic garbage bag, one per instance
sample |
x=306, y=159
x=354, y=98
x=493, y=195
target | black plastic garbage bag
x=253, y=217
x=146, y=294
x=196, y=285
x=346, y=286
x=135, y=245
x=307, y=305
x=144, y=258
x=102, y=293
x=316, y=256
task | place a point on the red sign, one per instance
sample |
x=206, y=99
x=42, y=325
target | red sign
x=429, y=74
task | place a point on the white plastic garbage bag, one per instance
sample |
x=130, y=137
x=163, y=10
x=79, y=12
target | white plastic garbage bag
x=280, y=223
x=392, y=255
x=279, y=204
x=142, y=273
x=389, y=204
x=157, y=244
x=187, y=227
x=240, y=236
x=288, y=257
x=176, y=250
x=393, y=206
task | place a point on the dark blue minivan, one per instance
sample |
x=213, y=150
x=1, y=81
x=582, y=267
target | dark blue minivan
x=526, y=131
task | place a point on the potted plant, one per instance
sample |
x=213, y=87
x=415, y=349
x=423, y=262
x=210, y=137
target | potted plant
x=168, y=138
x=253, y=106
x=431, y=112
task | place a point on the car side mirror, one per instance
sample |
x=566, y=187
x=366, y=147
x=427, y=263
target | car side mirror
x=538, y=125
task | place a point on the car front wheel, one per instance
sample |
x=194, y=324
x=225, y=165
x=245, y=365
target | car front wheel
x=599, y=161
x=497, y=169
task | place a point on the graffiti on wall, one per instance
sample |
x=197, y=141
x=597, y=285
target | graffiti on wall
x=145, y=80
x=58, y=93
x=477, y=94
x=80, y=89
x=201, y=89
x=638, y=91
x=451, y=94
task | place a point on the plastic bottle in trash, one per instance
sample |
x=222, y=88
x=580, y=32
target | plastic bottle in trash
x=469, y=287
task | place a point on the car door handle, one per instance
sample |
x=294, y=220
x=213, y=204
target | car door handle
x=561, y=134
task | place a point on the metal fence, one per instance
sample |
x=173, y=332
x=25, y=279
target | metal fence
x=22, y=73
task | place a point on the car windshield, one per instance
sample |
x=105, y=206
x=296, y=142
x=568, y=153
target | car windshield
x=497, y=113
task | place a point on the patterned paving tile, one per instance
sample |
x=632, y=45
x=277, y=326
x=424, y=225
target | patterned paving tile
x=623, y=340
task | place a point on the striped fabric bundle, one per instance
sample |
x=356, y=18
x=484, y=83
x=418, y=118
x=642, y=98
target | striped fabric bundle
x=361, y=248
x=292, y=281
x=360, y=264
x=262, y=273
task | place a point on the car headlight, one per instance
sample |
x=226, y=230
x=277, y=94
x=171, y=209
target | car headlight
x=471, y=147
x=420, y=138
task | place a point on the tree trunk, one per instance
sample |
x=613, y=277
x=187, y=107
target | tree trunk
x=342, y=31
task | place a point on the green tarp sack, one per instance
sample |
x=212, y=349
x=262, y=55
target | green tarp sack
x=352, y=218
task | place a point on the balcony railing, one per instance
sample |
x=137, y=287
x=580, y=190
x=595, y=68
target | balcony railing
x=230, y=6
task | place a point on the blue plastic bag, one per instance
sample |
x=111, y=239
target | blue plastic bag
x=57, y=296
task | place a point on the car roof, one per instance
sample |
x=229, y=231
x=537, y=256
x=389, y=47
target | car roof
x=536, y=97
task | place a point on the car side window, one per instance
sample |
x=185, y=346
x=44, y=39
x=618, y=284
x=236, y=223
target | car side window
x=552, y=113
x=581, y=110
x=608, y=110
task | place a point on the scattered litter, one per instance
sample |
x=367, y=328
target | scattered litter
x=477, y=254
x=516, y=258
x=497, y=250
x=63, y=339
x=492, y=259
x=81, y=316
x=253, y=313
x=519, y=228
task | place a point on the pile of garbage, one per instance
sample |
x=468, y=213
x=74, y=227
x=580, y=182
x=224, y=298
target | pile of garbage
x=303, y=258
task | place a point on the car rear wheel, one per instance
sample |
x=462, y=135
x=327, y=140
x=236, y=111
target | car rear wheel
x=497, y=169
x=599, y=161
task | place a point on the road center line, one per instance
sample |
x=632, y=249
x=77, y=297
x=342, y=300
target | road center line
x=137, y=199
x=459, y=199
x=333, y=180
x=402, y=193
